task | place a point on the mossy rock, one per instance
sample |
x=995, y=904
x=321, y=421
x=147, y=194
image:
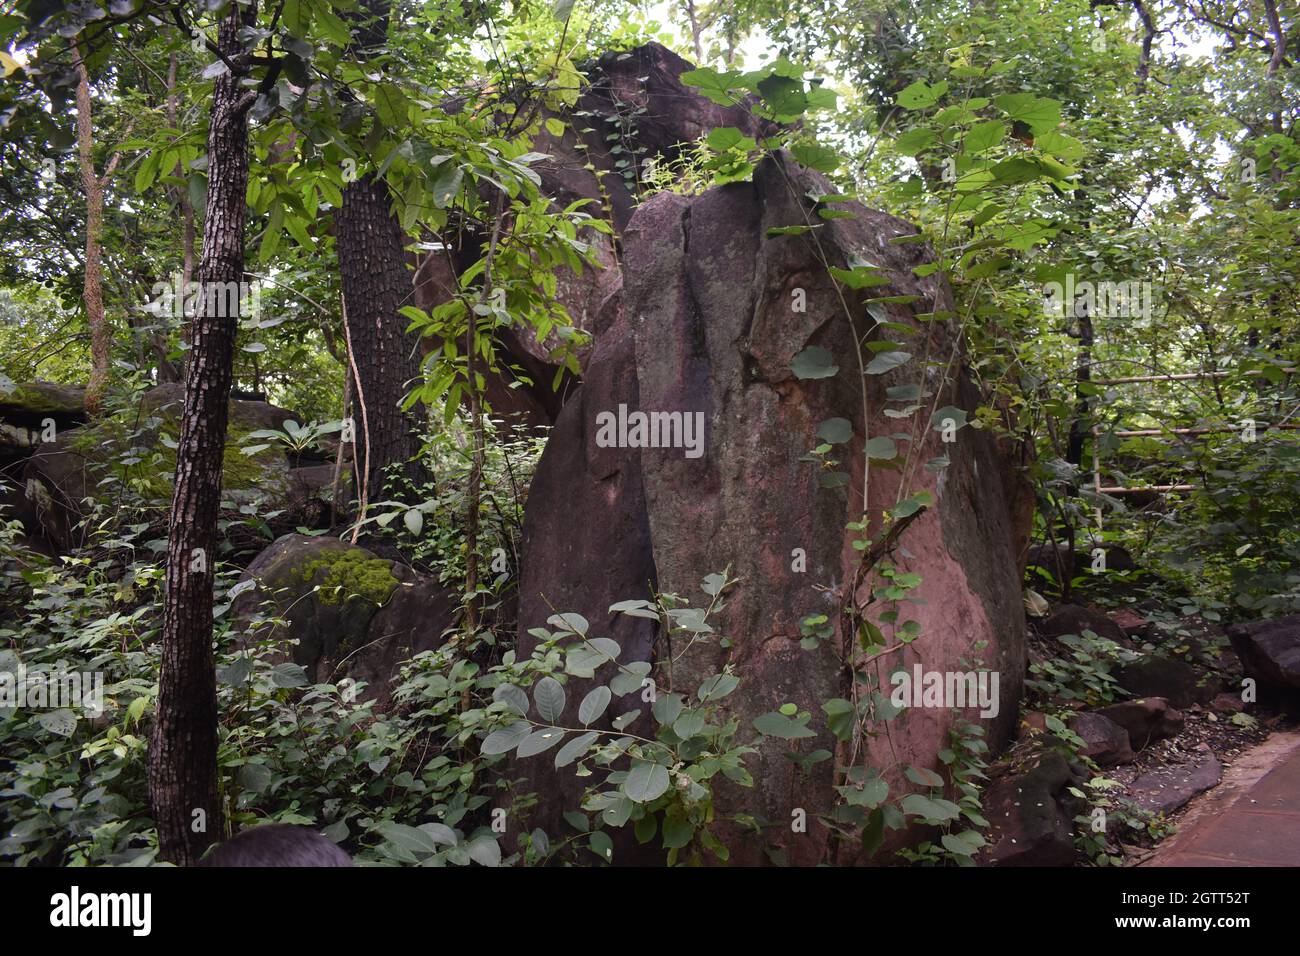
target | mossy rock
x=340, y=609
x=28, y=407
x=44, y=398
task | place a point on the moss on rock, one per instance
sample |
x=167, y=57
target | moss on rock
x=353, y=573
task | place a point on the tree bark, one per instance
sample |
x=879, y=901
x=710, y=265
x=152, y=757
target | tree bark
x=92, y=294
x=376, y=283
x=183, y=751
x=167, y=371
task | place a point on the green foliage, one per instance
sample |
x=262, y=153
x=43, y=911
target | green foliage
x=1082, y=674
x=662, y=784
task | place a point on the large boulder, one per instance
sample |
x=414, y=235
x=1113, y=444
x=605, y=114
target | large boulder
x=341, y=610
x=31, y=414
x=632, y=108
x=709, y=297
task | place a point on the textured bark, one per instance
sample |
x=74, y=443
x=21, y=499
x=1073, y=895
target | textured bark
x=167, y=371
x=376, y=283
x=183, y=750
x=101, y=336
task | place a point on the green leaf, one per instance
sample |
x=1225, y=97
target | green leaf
x=593, y=705
x=887, y=361
x=835, y=431
x=548, y=695
x=915, y=141
x=1058, y=144
x=726, y=138
x=984, y=136
x=931, y=811
x=60, y=722
x=1038, y=113
x=859, y=277
x=289, y=675
x=773, y=724
x=717, y=687
x=645, y=781
x=513, y=697
x=813, y=362
x=820, y=158
x=881, y=448
x=485, y=851
x=712, y=84
x=255, y=777
x=783, y=95
x=505, y=740
x=921, y=94
x=952, y=413
x=601, y=845
x=446, y=184
x=575, y=748
x=539, y=741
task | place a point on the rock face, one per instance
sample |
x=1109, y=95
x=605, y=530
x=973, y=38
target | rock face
x=709, y=299
x=350, y=612
x=638, y=97
x=1270, y=651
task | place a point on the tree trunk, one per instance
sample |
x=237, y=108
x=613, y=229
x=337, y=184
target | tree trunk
x=92, y=294
x=183, y=751
x=376, y=283
x=167, y=371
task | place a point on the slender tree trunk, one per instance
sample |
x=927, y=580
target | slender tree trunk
x=167, y=371
x=376, y=283
x=92, y=294
x=183, y=753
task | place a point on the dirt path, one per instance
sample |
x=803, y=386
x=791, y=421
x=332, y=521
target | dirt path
x=1251, y=819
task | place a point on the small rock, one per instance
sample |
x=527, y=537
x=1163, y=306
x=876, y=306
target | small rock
x=1228, y=703
x=1107, y=741
x=1075, y=619
x=1132, y=623
x=1146, y=720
